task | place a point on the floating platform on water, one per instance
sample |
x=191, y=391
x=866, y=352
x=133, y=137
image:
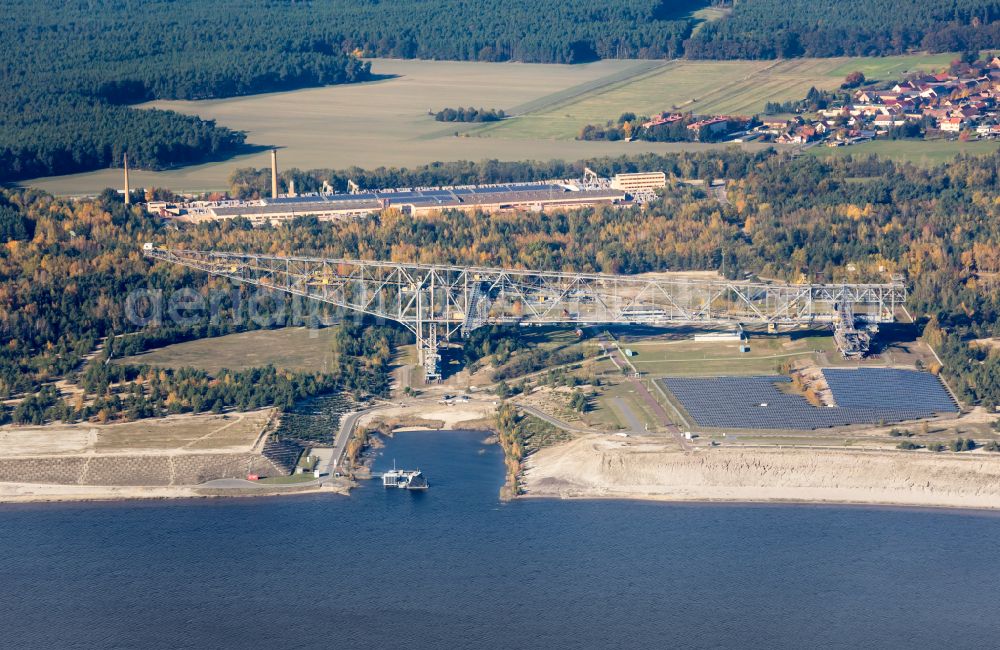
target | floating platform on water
x=404, y=479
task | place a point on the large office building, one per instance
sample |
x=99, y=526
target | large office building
x=639, y=182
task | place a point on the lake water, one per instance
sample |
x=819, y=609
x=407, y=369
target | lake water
x=455, y=568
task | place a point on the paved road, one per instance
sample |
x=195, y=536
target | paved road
x=634, y=425
x=243, y=484
x=657, y=408
x=347, y=423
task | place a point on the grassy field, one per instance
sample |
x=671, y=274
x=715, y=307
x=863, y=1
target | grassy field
x=385, y=122
x=893, y=67
x=687, y=357
x=920, y=152
x=290, y=348
x=190, y=432
x=177, y=433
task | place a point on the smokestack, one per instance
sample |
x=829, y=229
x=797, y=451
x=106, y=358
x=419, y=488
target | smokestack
x=128, y=198
x=274, y=173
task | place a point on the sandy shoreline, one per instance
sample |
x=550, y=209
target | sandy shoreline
x=831, y=503
x=594, y=467
x=653, y=469
x=50, y=493
x=750, y=500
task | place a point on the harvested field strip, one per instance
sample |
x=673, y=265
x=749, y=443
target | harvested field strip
x=636, y=73
x=751, y=97
x=548, y=105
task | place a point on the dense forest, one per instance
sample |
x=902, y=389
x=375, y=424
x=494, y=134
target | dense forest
x=71, y=69
x=768, y=29
x=535, y=31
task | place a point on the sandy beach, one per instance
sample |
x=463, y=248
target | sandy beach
x=596, y=466
x=49, y=492
x=430, y=414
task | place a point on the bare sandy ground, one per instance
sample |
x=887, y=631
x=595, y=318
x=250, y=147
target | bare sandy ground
x=35, y=492
x=596, y=466
x=452, y=416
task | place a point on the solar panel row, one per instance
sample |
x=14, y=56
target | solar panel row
x=863, y=396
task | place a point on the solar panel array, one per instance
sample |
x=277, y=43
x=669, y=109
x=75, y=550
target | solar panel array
x=891, y=387
x=863, y=396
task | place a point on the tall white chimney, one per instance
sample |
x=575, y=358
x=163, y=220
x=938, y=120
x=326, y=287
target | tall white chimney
x=274, y=173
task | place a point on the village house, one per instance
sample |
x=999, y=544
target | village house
x=662, y=118
x=711, y=125
x=951, y=124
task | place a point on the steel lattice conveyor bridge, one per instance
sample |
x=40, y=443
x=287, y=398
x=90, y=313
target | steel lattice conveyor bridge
x=438, y=302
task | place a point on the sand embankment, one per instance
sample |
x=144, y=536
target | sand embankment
x=595, y=466
x=43, y=492
x=430, y=414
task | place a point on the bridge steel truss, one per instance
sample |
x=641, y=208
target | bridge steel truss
x=437, y=301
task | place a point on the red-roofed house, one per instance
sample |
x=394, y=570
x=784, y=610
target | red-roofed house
x=951, y=124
